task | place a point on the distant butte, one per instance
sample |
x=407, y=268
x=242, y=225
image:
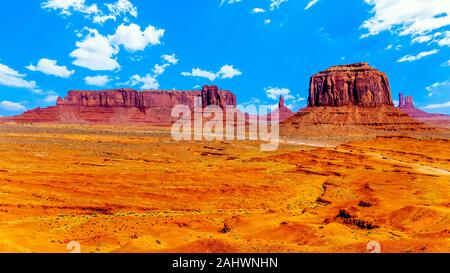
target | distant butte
x=406, y=105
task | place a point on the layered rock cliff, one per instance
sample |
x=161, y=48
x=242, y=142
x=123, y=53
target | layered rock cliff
x=355, y=84
x=124, y=106
x=347, y=100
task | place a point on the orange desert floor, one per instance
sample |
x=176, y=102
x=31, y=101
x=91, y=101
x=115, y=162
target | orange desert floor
x=137, y=190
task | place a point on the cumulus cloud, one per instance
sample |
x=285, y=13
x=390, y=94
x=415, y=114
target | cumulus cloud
x=12, y=78
x=225, y=72
x=95, y=52
x=12, y=106
x=150, y=81
x=51, y=98
x=50, y=67
x=412, y=58
x=407, y=17
x=310, y=4
x=99, y=80
x=68, y=7
x=171, y=59
x=168, y=60
x=197, y=72
x=134, y=39
x=159, y=69
x=111, y=11
x=258, y=10
x=145, y=82
x=275, y=93
x=122, y=8
x=228, y=72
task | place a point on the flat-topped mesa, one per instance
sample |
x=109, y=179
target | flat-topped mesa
x=350, y=85
x=142, y=100
x=125, y=106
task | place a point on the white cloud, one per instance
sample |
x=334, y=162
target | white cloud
x=438, y=105
x=51, y=98
x=438, y=87
x=225, y=72
x=267, y=21
x=311, y=3
x=412, y=58
x=12, y=106
x=172, y=59
x=228, y=72
x=169, y=60
x=67, y=7
x=422, y=39
x=99, y=80
x=159, y=69
x=445, y=40
x=197, y=72
x=447, y=63
x=134, y=39
x=121, y=8
x=229, y=2
x=95, y=52
x=146, y=82
x=50, y=67
x=12, y=78
x=275, y=93
x=101, y=19
x=275, y=4
x=258, y=10
x=407, y=17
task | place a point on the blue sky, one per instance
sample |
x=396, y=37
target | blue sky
x=258, y=49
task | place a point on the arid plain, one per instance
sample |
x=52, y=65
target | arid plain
x=134, y=189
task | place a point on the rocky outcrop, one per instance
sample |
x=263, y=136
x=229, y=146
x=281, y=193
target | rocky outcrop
x=129, y=98
x=350, y=100
x=283, y=111
x=124, y=106
x=406, y=105
x=355, y=84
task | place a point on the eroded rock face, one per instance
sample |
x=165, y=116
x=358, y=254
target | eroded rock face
x=126, y=98
x=124, y=106
x=284, y=111
x=406, y=105
x=350, y=85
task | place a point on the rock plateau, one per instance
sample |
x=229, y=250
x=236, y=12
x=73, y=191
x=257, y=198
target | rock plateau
x=124, y=106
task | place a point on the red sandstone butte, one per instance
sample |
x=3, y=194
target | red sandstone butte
x=406, y=105
x=349, y=99
x=124, y=106
x=284, y=111
x=350, y=85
